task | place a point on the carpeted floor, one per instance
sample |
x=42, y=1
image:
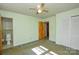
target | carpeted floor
x=26, y=49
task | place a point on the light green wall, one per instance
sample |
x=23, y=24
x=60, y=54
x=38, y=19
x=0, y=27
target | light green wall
x=25, y=28
x=63, y=28
x=52, y=28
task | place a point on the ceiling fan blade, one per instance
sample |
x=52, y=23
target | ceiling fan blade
x=32, y=8
x=45, y=10
x=42, y=5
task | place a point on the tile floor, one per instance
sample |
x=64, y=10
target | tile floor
x=26, y=49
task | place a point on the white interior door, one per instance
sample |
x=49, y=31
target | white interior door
x=75, y=32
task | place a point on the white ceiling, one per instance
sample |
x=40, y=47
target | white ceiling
x=53, y=8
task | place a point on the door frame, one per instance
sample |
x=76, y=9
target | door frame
x=1, y=36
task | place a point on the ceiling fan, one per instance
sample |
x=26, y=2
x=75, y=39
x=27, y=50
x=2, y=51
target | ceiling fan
x=40, y=8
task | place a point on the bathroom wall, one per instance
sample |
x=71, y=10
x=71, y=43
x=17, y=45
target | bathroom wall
x=25, y=28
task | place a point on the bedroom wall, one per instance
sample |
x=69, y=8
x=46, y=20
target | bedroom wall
x=25, y=28
x=63, y=28
x=52, y=27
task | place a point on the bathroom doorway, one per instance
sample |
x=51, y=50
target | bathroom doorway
x=7, y=35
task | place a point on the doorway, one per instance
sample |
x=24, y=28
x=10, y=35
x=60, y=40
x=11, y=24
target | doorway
x=7, y=26
x=6, y=33
x=47, y=29
x=43, y=30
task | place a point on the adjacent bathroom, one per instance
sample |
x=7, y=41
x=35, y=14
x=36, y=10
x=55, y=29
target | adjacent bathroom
x=7, y=40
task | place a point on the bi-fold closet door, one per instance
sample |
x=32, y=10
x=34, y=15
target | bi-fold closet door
x=74, y=41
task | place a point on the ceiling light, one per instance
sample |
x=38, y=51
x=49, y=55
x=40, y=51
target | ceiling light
x=39, y=11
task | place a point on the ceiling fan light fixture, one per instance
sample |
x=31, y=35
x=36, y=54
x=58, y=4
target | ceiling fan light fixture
x=40, y=8
x=39, y=11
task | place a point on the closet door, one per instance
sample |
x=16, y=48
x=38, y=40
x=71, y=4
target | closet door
x=0, y=35
x=75, y=32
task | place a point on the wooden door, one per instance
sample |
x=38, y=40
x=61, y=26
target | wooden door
x=0, y=35
x=41, y=30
